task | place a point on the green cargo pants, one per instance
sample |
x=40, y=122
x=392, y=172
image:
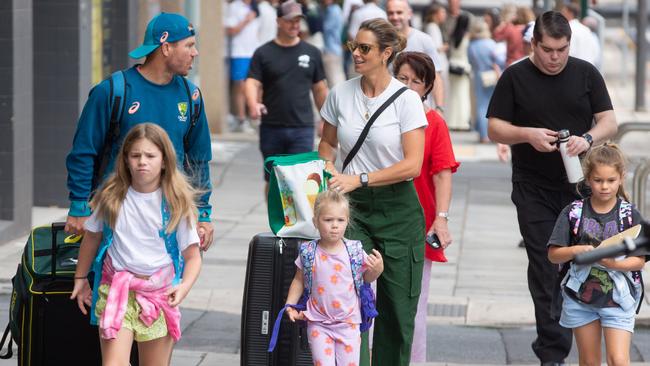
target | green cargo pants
x=390, y=219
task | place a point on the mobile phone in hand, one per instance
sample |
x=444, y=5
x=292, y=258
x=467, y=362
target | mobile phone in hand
x=433, y=241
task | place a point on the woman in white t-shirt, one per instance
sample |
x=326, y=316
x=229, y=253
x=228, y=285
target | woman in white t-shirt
x=386, y=213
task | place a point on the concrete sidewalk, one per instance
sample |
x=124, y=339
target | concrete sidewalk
x=480, y=310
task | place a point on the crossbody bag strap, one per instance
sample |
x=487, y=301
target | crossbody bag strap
x=366, y=129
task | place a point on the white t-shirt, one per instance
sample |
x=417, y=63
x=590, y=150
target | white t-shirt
x=366, y=12
x=583, y=45
x=137, y=246
x=422, y=42
x=436, y=36
x=347, y=8
x=268, y=22
x=244, y=43
x=345, y=108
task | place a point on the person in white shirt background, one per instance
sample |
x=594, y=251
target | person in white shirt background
x=369, y=10
x=399, y=15
x=268, y=15
x=435, y=16
x=583, y=44
x=242, y=25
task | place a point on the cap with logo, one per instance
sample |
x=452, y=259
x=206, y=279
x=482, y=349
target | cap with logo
x=164, y=27
x=289, y=10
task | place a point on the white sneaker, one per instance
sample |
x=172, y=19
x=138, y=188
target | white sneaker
x=243, y=127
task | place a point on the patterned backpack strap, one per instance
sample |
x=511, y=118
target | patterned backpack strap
x=355, y=251
x=364, y=291
x=307, y=257
x=575, y=214
x=625, y=222
x=625, y=215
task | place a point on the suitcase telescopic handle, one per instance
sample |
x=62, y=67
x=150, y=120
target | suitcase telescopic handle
x=56, y=227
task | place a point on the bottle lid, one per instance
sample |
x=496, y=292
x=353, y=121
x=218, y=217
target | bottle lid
x=563, y=134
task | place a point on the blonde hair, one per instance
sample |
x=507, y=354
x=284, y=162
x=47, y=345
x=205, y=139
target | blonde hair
x=327, y=197
x=609, y=154
x=178, y=192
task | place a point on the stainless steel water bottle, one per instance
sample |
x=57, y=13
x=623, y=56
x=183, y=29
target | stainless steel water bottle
x=571, y=163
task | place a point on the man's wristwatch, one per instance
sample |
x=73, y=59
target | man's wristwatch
x=589, y=139
x=363, y=177
x=443, y=214
x=440, y=109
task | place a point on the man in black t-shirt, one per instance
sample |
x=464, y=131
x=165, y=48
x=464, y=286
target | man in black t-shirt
x=534, y=99
x=284, y=71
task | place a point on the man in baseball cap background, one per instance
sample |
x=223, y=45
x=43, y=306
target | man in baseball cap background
x=156, y=91
x=284, y=71
x=289, y=10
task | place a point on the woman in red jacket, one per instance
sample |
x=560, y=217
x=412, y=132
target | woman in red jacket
x=416, y=70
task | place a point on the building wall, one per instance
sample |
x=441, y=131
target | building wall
x=63, y=60
x=16, y=118
x=115, y=35
x=56, y=95
x=6, y=112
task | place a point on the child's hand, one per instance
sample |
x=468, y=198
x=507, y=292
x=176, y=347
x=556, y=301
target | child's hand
x=82, y=293
x=374, y=266
x=294, y=314
x=176, y=294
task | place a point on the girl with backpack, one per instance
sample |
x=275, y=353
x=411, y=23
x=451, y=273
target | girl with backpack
x=333, y=276
x=599, y=298
x=142, y=244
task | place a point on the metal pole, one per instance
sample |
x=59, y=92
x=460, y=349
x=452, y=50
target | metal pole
x=627, y=127
x=641, y=51
x=626, y=17
x=547, y=5
x=639, y=182
x=584, y=5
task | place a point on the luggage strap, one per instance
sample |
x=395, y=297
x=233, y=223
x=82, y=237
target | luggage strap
x=278, y=320
x=10, y=351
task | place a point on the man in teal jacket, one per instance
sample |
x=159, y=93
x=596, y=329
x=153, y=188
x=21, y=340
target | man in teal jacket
x=157, y=92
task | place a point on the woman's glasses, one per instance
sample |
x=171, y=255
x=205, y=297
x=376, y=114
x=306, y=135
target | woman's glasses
x=364, y=48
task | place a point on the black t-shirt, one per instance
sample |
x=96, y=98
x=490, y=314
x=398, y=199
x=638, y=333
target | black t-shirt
x=287, y=75
x=594, y=228
x=527, y=97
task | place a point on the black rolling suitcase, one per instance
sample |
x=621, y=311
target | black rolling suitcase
x=269, y=273
x=46, y=325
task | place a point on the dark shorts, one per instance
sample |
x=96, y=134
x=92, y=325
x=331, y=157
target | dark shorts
x=278, y=140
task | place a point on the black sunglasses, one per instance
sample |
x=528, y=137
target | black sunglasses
x=364, y=48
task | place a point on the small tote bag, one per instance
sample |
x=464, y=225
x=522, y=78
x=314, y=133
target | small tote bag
x=295, y=181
